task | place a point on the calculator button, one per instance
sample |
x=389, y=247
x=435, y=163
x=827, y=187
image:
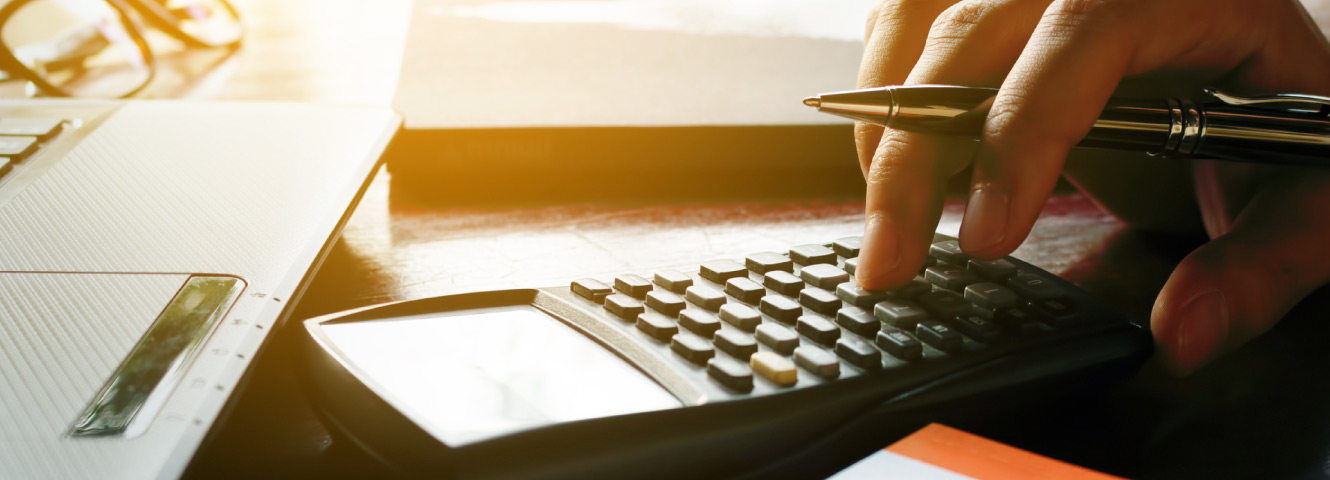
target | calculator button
x=775, y=368
x=1016, y=319
x=858, y=320
x=991, y=296
x=699, y=322
x=918, y=286
x=744, y=289
x=900, y=313
x=623, y=306
x=818, y=329
x=705, y=297
x=847, y=247
x=899, y=344
x=665, y=302
x=692, y=348
x=591, y=289
x=859, y=353
x=1054, y=312
x=738, y=344
x=824, y=276
x=948, y=251
x=976, y=327
x=17, y=148
x=731, y=373
x=768, y=262
x=657, y=326
x=944, y=304
x=855, y=295
x=817, y=360
x=632, y=285
x=812, y=255
x=938, y=335
x=851, y=264
x=673, y=280
x=819, y=300
x=784, y=283
x=1034, y=287
x=721, y=270
x=42, y=128
x=741, y=316
x=779, y=338
x=995, y=270
x=950, y=277
x=781, y=308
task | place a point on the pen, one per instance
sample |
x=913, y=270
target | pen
x=1282, y=128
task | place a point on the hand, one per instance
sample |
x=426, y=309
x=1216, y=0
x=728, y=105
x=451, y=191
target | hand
x=1057, y=63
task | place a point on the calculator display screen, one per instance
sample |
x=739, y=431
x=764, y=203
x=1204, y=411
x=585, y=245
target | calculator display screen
x=472, y=375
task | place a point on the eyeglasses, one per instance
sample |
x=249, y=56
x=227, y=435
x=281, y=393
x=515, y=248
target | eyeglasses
x=97, y=48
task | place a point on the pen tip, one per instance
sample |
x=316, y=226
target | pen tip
x=813, y=101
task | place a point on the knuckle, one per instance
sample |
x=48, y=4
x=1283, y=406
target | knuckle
x=1076, y=9
x=954, y=25
x=1004, y=120
x=905, y=6
x=960, y=19
x=1014, y=125
x=889, y=162
x=1088, y=13
x=1266, y=280
x=891, y=11
x=867, y=133
x=1207, y=262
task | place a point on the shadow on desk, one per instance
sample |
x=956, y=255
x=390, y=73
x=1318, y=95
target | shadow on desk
x=1262, y=411
x=272, y=431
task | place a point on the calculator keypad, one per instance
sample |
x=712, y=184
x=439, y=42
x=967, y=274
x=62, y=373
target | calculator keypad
x=657, y=326
x=673, y=280
x=797, y=318
x=775, y=368
x=699, y=322
x=819, y=300
x=764, y=262
x=665, y=302
x=632, y=285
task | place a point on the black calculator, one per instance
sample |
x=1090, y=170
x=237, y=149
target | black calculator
x=776, y=365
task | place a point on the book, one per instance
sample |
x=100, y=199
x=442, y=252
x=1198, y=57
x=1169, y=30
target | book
x=544, y=99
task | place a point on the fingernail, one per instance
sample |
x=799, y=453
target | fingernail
x=985, y=222
x=1203, y=326
x=880, y=253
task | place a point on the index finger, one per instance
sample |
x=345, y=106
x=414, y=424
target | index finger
x=896, y=36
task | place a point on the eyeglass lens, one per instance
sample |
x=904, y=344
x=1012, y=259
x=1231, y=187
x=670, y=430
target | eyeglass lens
x=84, y=48
x=211, y=22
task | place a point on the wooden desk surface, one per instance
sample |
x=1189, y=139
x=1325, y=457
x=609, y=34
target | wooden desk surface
x=1258, y=412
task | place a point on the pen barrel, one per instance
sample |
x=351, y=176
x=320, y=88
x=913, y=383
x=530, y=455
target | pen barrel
x=941, y=110
x=1139, y=125
x=1267, y=136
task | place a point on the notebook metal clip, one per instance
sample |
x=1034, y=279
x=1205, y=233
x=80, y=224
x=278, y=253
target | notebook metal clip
x=1283, y=102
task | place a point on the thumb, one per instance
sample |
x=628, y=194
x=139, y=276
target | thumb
x=1240, y=284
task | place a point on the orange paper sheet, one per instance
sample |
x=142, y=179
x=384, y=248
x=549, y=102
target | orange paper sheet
x=984, y=459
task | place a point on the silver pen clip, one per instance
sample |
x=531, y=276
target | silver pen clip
x=1283, y=102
